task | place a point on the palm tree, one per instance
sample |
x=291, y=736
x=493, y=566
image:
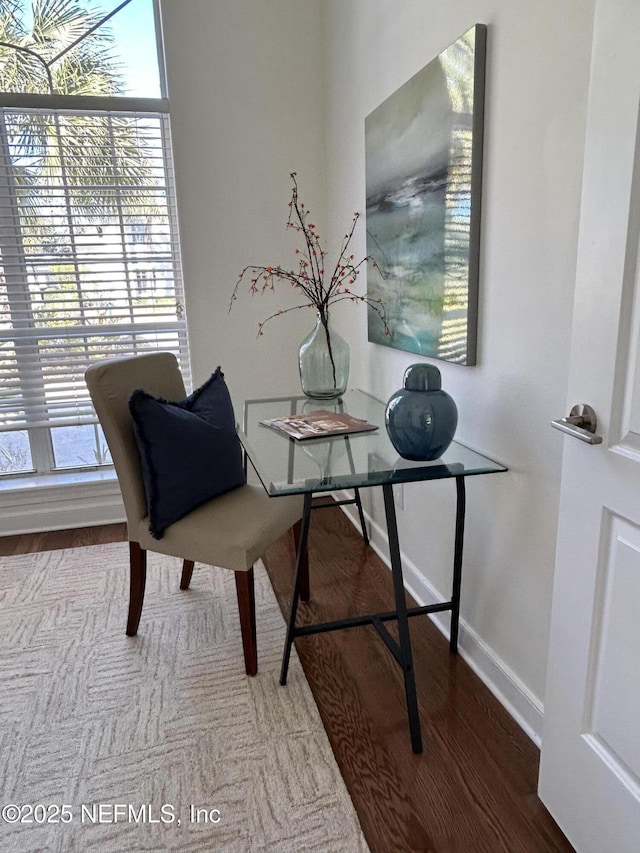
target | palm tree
x=65, y=48
x=39, y=57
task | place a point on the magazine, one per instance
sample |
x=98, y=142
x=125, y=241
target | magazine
x=319, y=424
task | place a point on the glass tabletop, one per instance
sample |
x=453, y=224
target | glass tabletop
x=286, y=466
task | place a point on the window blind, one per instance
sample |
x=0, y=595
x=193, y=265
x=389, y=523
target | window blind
x=89, y=255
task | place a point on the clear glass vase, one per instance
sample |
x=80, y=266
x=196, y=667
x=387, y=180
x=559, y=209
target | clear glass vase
x=323, y=359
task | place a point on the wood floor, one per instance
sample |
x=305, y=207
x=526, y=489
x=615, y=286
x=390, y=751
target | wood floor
x=473, y=790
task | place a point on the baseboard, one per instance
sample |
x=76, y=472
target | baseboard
x=508, y=689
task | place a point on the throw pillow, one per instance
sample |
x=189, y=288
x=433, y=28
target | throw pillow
x=189, y=450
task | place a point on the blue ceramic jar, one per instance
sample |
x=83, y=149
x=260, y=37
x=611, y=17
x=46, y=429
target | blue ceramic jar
x=421, y=418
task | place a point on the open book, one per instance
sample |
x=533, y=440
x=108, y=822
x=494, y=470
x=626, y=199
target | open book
x=319, y=424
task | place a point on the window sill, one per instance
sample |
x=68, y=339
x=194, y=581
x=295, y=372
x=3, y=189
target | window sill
x=57, y=480
x=60, y=502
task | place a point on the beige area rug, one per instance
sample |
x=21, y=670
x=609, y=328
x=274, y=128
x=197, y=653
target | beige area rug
x=158, y=742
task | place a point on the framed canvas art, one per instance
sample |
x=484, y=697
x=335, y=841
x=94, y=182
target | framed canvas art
x=423, y=149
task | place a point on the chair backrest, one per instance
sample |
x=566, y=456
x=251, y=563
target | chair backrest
x=111, y=383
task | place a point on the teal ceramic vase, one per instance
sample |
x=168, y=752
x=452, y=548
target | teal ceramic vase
x=421, y=418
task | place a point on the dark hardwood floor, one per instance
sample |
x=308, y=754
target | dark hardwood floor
x=473, y=790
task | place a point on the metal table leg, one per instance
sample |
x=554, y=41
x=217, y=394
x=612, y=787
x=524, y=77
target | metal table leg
x=302, y=546
x=401, y=650
x=356, y=498
x=406, y=655
x=457, y=564
x=363, y=525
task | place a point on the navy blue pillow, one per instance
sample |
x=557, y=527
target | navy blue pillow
x=189, y=450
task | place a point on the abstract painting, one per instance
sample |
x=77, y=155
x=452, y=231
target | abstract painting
x=423, y=149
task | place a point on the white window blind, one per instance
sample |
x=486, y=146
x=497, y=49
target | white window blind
x=89, y=255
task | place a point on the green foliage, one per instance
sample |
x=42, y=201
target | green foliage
x=30, y=59
x=49, y=151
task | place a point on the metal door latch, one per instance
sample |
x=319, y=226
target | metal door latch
x=581, y=423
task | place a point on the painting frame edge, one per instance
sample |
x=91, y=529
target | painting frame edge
x=477, y=162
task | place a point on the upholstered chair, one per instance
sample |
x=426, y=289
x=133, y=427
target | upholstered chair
x=231, y=531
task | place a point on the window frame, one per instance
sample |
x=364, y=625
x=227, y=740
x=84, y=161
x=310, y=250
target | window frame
x=40, y=436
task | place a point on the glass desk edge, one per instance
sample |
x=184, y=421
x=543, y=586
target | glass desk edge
x=414, y=472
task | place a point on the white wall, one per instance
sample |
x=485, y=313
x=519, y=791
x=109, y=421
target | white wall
x=246, y=109
x=537, y=77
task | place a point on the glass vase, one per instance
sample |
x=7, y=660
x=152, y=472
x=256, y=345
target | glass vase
x=323, y=359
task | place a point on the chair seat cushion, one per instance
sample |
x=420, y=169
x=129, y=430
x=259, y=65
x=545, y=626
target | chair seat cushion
x=189, y=450
x=231, y=531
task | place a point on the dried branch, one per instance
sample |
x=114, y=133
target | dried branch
x=310, y=276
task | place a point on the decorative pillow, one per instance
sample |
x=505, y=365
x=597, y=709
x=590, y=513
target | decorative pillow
x=189, y=450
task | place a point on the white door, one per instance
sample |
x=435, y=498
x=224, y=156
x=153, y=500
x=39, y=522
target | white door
x=590, y=765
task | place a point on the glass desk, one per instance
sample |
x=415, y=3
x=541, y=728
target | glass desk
x=356, y=461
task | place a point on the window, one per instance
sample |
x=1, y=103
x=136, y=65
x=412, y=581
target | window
x=89, y=254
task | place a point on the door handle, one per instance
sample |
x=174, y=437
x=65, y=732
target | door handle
x=581, y=423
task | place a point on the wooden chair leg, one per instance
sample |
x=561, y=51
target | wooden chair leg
x=187, y=571
x=137, y=582
x=305, y=588
x=247, y=610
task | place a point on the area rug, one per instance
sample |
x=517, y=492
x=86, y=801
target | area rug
x=157, y=742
